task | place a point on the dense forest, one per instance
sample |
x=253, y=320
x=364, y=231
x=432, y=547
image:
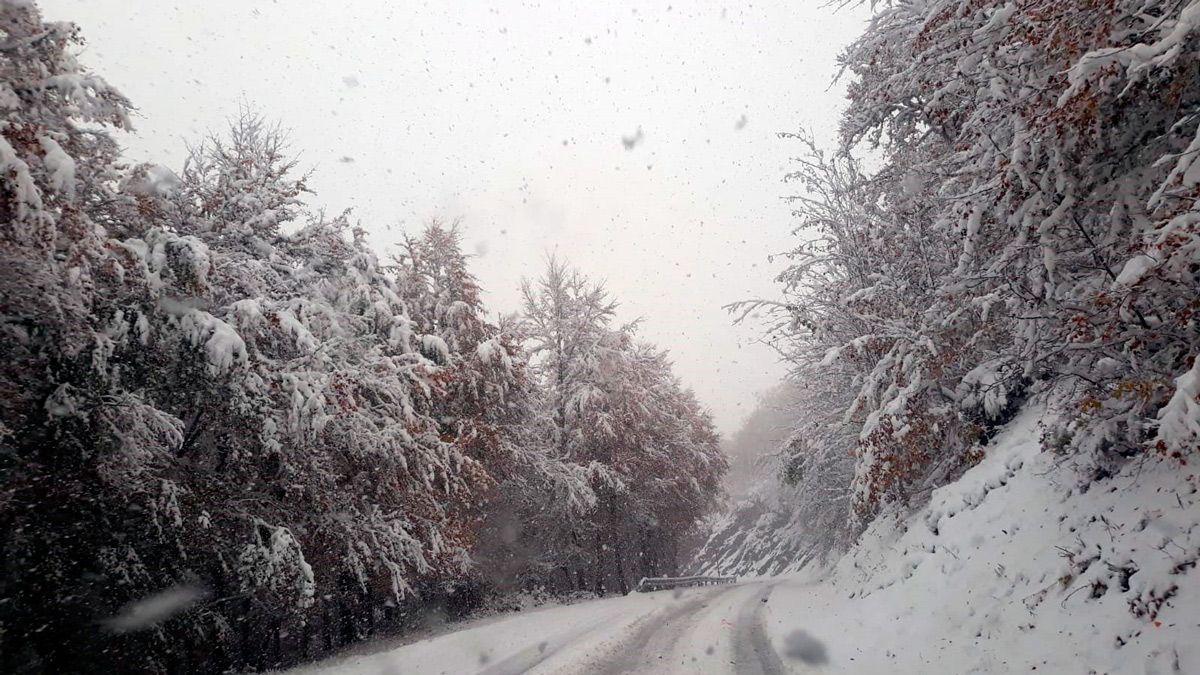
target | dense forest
x=233, y=437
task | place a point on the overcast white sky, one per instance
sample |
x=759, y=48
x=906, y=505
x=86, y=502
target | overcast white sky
x=511, y=117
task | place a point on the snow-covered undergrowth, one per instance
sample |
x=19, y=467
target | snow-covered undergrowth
x=522, y=601
x=1018, y=566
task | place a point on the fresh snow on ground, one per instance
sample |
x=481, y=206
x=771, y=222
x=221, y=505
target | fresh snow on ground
x=1013, y=568
x=685, y=631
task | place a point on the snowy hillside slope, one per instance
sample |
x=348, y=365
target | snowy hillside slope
x=1017, y=567
x=760, y=532
x=757, y=536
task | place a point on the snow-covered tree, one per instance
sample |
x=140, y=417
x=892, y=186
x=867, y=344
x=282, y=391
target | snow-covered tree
x=666, y=448
x=481, y=398
x=1059, y=139
x=616, y=417
x=1028, y=226
x=205, y=385
x=482, y=366
x=321, y=359
x=61, y=413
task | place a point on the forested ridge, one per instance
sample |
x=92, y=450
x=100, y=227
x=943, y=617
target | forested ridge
x=235, y=437
x=1010, y=216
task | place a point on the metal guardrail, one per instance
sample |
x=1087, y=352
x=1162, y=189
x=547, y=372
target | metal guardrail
x=648, y=584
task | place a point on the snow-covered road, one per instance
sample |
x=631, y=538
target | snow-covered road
x=718, y=629
x=988, y=577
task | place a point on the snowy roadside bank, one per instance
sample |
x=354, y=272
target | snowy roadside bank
x=1016, y=568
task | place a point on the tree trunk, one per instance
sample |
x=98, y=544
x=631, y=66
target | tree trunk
x=618, y=552
x=599, y=546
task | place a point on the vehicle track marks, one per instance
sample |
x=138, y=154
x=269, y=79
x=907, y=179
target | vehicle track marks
x=753, y=652
x=645, y=649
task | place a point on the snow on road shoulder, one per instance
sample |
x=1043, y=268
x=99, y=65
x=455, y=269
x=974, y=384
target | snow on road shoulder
x=1016, y=568
x=711, y=629
x=514, y=643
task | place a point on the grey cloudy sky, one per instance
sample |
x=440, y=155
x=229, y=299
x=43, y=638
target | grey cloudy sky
x=511, y=116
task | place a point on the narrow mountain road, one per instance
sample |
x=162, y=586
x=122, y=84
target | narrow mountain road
x=716, y=629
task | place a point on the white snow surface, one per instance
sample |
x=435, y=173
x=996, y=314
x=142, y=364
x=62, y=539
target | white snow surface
x=710, y=629
x=1013, y=568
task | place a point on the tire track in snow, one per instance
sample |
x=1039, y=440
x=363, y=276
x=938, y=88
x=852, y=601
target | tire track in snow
x=645, y=649
x=753, y=652
x=661, y=642
x=654, y=622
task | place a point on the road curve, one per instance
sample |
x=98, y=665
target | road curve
x=715, y=629
x=720, y=631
